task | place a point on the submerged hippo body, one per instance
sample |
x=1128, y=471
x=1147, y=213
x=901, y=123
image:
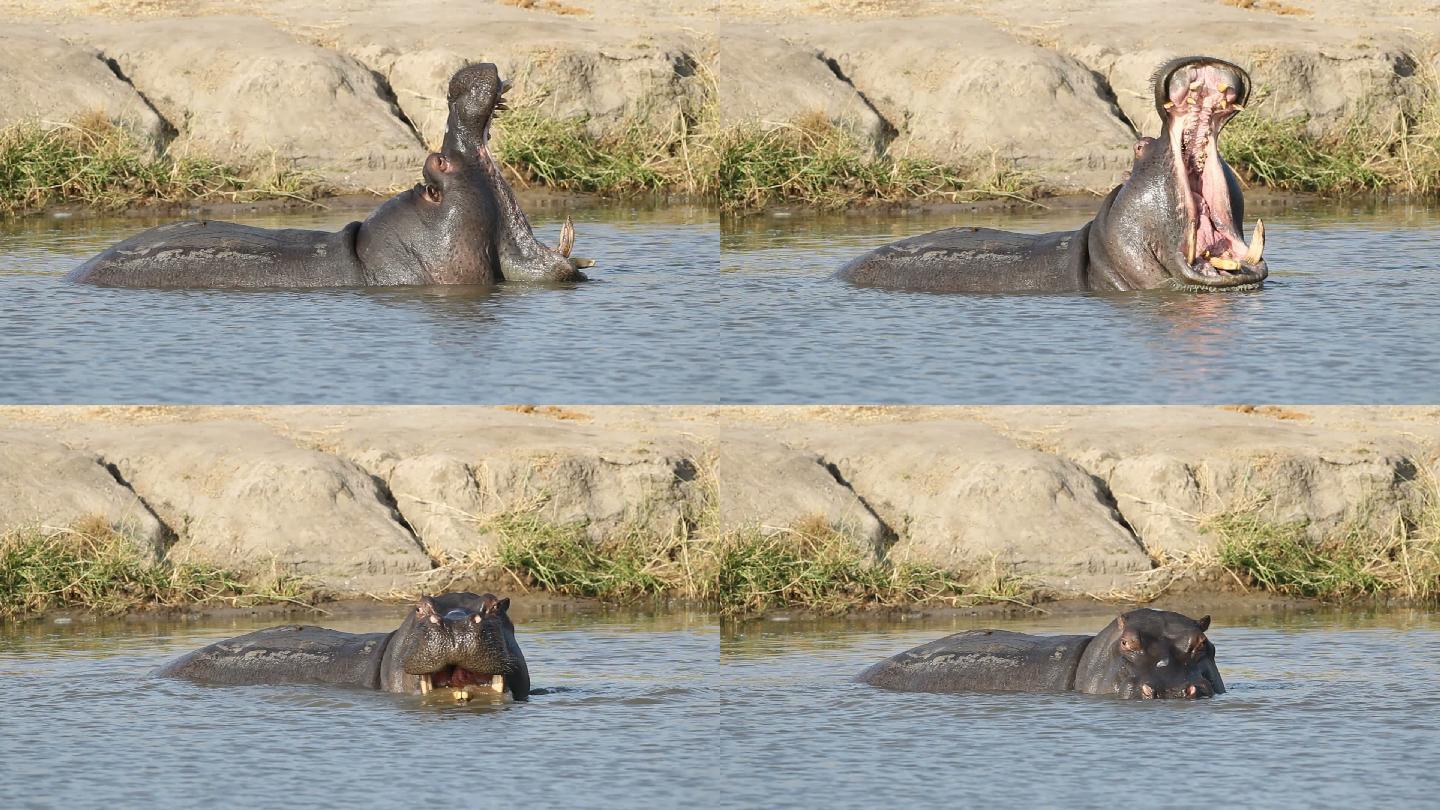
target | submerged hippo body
x=461, y=225
x=1175, y=222
x=462, y=643
x=1142, y=654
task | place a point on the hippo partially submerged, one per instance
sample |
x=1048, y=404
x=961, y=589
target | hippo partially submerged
x=461, y=225
x=1143, y=654
x=1175, y=222
x=460, y=645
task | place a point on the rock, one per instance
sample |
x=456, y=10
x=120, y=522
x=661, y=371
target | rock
x=1168, y=483
x=241, y=497
x=558, y=66
x=240, y=91
x=47, y=80
x=765, y=81
x=452, y=485
x=766, y=485
x=43, y=482
x=960, y=90
x=960, y=496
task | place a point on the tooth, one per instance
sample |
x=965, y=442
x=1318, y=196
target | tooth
x=497, y=683
x=461, y=694
x=1222, y=87
x=1257, y=243
x=1190, y=247
x=1169, y=104
x=1239, y=107
x=1224, y=264
x=425, y=686
x=567, y=238
x=1196, y=85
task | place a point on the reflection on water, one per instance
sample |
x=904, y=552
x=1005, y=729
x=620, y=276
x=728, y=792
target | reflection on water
x=81, y=718
x=1349, y=315
x=1339, y=706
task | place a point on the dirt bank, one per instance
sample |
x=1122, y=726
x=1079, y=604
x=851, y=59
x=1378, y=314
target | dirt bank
x=1076, y=499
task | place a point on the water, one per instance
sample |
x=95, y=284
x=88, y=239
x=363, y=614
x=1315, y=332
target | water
x=1350, y=314
x=628, y=336
x=1323, y=709
x=83, y=724
x=656, y=710
x=686, y=310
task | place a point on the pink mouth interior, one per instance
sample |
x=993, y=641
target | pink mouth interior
x=1198, y=108
x=456, y=676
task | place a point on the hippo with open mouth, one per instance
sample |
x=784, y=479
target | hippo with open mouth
x=458, y=645
x=1176, y=221
x=1143, y=654
x=461, y=225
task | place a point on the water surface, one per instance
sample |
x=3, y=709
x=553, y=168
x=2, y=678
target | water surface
x=1321, y=709
x=1350, y=314
x=83, y=724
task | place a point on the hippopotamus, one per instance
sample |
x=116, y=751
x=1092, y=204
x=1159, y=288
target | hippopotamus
x=459, y=645
x=1143, y=654
x=460, y=225
x=1175, y=222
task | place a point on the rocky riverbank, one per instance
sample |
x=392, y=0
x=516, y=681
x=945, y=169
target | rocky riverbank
x=353, y=93
x=1073, y=500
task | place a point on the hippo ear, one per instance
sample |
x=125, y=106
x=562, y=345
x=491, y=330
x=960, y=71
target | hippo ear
x=503, y=605
x=1204, y=623
x=425, y=609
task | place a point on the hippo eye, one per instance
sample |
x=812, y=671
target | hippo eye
x=432, y=192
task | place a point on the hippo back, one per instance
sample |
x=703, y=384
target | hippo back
x=983, y=661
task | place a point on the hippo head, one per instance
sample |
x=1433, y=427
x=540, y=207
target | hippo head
x=1159, y=654
x=464, y=643
x=1178, y=219
x=476, y=95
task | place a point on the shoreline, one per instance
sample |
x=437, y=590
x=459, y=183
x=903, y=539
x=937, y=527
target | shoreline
x=892, y=505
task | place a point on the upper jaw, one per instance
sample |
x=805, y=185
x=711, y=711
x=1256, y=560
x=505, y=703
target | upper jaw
x=1213, y=251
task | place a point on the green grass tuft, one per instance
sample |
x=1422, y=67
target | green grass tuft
x=91, y=567
x=97, y=164
x=818, y=164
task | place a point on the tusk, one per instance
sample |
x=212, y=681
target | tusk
x=497, y=683
x=1190, y=247
x=580, y=263
x=1257, y=244
x=567, y=238
x=425, y=685
x=1220, y=263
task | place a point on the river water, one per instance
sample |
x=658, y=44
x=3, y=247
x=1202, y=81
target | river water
x=82, y=718
x=1331, y=708
x=686, y=309
x=1321, y=710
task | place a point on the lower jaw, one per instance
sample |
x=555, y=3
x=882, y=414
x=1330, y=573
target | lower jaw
x=464, y=693
x=1190, y=286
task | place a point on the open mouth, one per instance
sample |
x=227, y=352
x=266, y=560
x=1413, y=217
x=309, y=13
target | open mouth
x=461, y=683
x=1199, y=98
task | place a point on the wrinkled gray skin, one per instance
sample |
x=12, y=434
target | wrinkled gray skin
x=1143, y=654
x=1138, y=238
x=457, y=638
x=460, y=225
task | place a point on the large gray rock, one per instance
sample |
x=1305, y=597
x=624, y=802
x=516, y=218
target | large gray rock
x=241, y=497
x=564, y=68
x=46, y=80
x=763, y=484
x=1167, y=483
x=960, y=90
x=960, y=496
x=45, y=483
x=240, y=91
x=765, y=81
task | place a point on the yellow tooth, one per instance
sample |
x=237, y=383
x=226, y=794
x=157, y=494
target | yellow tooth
x=1257, y=243
x=1196, y=85
x=462, y=695
x=425, y=685
x=497, y=683
x=1222, y=87
x=1190, y=247
x=1169, y=104
x=1224, y=264
x=567, y=237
